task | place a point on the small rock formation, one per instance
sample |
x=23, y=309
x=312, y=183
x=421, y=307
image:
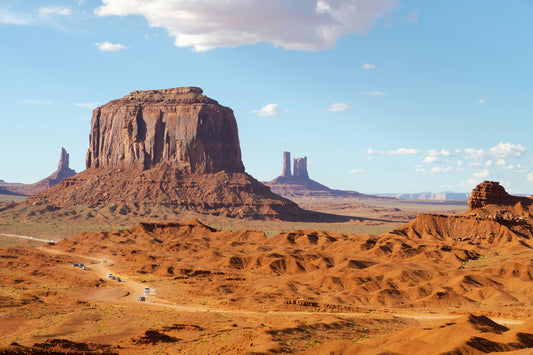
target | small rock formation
x=171, y=148
x=494, y=217
x=492, y=193
x=63, y=171
x=286, y=164
x=178, y=126
x=298, y=184
x=300, y=168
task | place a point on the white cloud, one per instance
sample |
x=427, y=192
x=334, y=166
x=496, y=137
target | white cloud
x=507, y=150
x=482, y=174
x=375, y=93
x=89, y=105
x=355, y=171
x=520, y=169
x=438, y=170
x=488, y=163
x=501, y=162
x=269, y=110
x=11, y=18
x=375, y=151
x=430, y=159
x=403, y=151
x=445, y=153
x=38, y=102
x=481, y=101
x=367, y=66
x=292, y=25
x=529, y=177
x=54, y=11
x=109, y=47
x=336, y=107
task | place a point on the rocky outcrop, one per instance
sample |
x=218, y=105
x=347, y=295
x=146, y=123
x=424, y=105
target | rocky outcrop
x=63, y=171
x=298, y=184
x=492, y=193
x=300, y=168
x=177, y=126
x=172, y=148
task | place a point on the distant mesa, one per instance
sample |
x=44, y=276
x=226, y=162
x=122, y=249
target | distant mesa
x=174, y=148
x=432, y=196
x=63, y=171
x=494, y=217
x=297, y=184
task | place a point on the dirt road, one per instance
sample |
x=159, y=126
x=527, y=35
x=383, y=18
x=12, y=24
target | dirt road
x=134, y=290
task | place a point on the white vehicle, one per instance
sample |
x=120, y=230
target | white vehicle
x=146, y=290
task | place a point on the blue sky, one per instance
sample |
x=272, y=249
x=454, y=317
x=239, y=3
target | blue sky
x=380, y=95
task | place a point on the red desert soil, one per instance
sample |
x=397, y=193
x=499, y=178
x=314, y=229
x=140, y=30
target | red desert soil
x=437, y=285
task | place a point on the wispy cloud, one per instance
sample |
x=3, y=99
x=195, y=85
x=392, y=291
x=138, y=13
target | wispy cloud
x=337, y=106
x=12, y=18
x=412, y=17
x=292, y=25
x=89, y=105
x=403, y=151
x=63, y=11
x=430, y=159
x=356, y=171
x=269, y=110
x=38, y=102
x=482, y=174
x=440, y=170
x=375, y=93
x=481, y=101
x=110, y=47
x=367, y=66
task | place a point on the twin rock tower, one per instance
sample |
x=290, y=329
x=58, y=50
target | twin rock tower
x=300, y=167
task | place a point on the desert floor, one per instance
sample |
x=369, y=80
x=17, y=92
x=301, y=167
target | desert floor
x=261, y=287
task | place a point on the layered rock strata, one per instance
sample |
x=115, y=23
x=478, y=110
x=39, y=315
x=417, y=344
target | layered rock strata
x=174, y=148
x=492, y=193
x=178, y=126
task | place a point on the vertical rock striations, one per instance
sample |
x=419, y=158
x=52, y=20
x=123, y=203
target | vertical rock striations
x=177, y=126
x=492, y=193
x=286, y=164
x=171, y=148
x=300, y=168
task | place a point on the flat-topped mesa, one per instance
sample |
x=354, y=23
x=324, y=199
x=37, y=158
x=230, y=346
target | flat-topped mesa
x=492, y=193
x=178, y=126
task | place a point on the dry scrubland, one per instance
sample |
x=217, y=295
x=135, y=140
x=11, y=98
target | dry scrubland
x=368, y=217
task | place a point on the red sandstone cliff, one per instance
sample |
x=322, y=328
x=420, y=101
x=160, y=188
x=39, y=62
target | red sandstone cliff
x=179, y=126
x=174, y=148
